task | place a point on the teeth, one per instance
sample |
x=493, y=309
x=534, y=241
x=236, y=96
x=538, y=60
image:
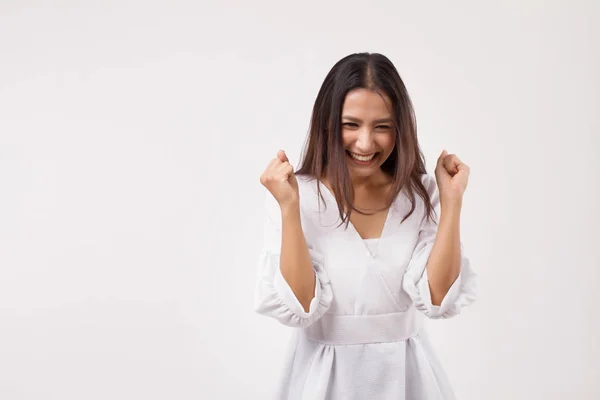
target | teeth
x=362, y=158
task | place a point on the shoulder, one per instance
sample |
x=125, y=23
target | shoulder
x=307, y=187
x=306, y=184
x=306, y=180
x=431, y=188
x=429, y=182
x=308, y=191
x=405, y=200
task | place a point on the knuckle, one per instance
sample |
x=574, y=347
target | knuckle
x=266, y=176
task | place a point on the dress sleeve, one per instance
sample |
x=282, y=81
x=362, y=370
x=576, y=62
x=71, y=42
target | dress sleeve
x=273, y=296
x=416, y=283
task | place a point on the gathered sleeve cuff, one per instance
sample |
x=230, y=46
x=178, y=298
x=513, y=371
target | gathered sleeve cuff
x=273, y=296
x=462, y=292
x=416, y=283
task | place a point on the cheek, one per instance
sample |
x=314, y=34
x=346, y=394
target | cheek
x=387, y=143
x=347, y=138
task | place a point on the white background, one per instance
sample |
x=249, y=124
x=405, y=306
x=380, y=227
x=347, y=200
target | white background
x=132, y=137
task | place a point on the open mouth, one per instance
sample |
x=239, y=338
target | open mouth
x=362, y=159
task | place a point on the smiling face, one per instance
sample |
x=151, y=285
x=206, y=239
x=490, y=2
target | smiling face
x=368, y=133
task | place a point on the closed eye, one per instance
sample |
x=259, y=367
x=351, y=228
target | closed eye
x=355, y=125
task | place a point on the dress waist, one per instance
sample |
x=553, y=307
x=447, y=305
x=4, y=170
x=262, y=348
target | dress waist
x=362, y=329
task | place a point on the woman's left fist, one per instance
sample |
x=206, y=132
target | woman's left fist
x=452, y=176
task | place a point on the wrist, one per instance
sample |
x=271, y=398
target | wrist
x=290, y=209
x=451, y=205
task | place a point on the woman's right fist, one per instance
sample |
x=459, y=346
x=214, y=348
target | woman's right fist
x=279, y=179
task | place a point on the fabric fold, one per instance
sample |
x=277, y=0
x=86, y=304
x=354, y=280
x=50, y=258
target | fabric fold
x=416, y=282
x=273, y=296
x=426, y=379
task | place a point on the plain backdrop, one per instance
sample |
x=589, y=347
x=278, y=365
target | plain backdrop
x=132, y=137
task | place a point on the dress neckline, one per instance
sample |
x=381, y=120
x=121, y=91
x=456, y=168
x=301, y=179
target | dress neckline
x=370, y=250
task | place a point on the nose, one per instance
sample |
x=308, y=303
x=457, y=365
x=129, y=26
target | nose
x=364, y=140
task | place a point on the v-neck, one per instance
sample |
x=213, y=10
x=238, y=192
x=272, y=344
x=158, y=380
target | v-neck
x=355, y=233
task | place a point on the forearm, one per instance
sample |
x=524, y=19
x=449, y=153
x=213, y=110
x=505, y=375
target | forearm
x=295, y=262
x=443, y=266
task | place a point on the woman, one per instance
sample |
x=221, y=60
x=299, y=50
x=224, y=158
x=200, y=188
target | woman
x=355, y=255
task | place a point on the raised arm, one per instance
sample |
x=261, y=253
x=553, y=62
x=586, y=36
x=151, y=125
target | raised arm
x=292, y=286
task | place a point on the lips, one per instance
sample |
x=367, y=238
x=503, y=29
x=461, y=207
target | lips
x=361, y=157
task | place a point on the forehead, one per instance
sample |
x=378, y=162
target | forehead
x=364, y=103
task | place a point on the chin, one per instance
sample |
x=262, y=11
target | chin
x=363, y=172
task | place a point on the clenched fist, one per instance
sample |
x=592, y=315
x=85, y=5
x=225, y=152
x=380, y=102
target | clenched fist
x=279, y=179
x=452, y=176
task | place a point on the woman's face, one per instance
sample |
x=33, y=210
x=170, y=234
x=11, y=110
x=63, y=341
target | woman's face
x=368, y=133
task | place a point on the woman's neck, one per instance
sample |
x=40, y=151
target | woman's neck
x=367, y=183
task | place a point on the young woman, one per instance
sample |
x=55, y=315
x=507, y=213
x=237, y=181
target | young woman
x=356, y=254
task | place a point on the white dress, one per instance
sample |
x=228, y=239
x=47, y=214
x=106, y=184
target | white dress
x=362, y=337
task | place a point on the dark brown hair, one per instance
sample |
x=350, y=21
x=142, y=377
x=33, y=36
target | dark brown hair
x=324, y=155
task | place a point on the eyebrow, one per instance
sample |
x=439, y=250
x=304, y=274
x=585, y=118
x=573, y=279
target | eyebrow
x=377, y=121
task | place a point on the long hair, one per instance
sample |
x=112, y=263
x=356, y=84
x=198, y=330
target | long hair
x=324, y=155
